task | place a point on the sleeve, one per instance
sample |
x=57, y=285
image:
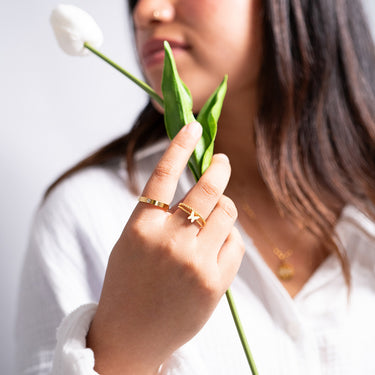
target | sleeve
x=71, y=238
x=74, y=358
x=71, y=355
x=60, y=273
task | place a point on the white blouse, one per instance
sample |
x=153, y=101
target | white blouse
x=321, y=331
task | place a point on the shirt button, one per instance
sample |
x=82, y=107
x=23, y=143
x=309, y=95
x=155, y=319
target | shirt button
x=294, y=330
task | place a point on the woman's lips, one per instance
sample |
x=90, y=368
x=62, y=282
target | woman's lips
x=153, y=51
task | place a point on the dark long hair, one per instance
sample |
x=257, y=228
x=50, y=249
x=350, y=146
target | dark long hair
x=315, y=130
x=316, y=141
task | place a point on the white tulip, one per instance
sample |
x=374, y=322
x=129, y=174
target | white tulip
x=77, y=34
x=73, y=27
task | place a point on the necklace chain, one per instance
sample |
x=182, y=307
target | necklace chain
x=282, y=255
x=285, y=270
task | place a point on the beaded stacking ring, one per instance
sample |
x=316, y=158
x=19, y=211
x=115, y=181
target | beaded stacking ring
x=154, y=202
x=194, y=217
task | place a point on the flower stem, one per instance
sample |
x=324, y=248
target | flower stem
x=137, y=81
x=241, y=333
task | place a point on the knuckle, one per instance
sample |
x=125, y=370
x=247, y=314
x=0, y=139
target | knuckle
x=137, y=232
x=228, y=207
x=189, y=269
x=180, y=142
x=206, y=280
x=198, y=276
x=165, y=169
x=209, y=189
x=212, y=290
x=241, y=247
x=209, y=288
x=170, y=245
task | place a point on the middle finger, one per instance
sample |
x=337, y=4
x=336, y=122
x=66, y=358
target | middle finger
x=205, y=194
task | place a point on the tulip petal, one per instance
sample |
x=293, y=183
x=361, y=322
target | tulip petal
x=73, y=27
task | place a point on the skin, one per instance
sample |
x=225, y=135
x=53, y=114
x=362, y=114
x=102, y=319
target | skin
x=153, y=283
x=230, y=35
x=225, y=32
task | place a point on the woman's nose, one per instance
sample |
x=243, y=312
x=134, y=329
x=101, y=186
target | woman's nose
x=149, y=12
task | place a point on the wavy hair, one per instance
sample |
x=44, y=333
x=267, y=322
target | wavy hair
x=316, y=142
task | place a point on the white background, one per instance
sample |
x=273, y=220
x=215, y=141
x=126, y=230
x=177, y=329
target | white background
x=54, y=109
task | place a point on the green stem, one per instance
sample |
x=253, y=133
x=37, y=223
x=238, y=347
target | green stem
x=241, y=332
x=137, y=81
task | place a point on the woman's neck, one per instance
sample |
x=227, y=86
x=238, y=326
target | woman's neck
x=246, y=188
x=235, y=129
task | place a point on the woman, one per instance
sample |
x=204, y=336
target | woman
x=298, y=128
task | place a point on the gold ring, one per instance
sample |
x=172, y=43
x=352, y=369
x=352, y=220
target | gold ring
x=154, y=202
x=194, y=217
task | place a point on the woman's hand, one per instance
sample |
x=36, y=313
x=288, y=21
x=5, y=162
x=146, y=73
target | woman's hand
x=166, y=275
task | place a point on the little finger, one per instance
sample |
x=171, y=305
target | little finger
x=230, y=257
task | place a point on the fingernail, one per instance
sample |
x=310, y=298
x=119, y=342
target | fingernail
x=194, y=128
x=223, y=157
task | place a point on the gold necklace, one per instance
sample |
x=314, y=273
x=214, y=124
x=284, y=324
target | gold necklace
x=285, y=270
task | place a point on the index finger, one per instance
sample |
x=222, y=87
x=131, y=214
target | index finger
x=162, y=184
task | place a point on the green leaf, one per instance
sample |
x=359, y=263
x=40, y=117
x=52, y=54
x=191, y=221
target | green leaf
x=208, y=118
x=178, y=104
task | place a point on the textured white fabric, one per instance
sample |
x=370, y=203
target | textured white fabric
x=71, y=355
x=319, y=332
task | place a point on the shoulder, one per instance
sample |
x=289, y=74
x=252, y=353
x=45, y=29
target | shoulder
x=112, y=176
x=98, y=191
x=356, y=232
x=353, y=221
x=82, y=190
